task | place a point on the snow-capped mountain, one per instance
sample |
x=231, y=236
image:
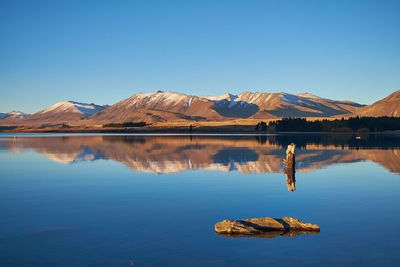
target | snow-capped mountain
x=158, y=106
x=68, y=112
x=75, y=107
x=272, y=105
x=300, y=105
x=13, y=115
x=229, y=105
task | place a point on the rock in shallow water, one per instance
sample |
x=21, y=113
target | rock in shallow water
x=263, y=225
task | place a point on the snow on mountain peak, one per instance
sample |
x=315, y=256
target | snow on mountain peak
x=295, y=99
x=72, y=106
x=226, y=96
x=18, y=114
x=14, y=115
x=159, y=97
x=307, y=95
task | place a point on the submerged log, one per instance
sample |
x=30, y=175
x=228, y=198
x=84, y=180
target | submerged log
x=265, y=225
x=290, y=170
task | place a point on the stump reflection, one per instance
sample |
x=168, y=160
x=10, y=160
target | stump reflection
x=290, y=167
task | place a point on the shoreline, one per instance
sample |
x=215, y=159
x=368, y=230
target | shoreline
x=357, y=125
x=181, y=132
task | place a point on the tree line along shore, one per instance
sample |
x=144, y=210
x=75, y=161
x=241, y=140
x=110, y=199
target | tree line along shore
x=343, y=125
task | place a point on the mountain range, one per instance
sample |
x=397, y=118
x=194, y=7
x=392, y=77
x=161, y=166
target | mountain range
x=162, y=106
x=169, y=106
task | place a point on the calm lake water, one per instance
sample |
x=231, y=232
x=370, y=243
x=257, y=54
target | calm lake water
x=113, y=200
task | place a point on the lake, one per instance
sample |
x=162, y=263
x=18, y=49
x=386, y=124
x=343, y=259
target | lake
x=153, y=200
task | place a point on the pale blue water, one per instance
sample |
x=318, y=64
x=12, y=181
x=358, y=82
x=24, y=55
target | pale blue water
x=154, y=200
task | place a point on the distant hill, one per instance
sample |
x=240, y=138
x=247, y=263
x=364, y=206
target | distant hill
x=389, y=106
x=68, y=112
x=13, y=115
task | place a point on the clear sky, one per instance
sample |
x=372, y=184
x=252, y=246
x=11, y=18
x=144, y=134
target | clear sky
x=105, y=51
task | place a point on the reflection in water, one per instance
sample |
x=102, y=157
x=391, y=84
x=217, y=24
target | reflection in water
x=246, y=154
x=290, y=180
x=290, y=167
x=271, y=234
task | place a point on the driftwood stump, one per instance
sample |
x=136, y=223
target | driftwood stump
x=290, y=163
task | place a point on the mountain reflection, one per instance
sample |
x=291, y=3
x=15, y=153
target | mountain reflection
x=246, y=154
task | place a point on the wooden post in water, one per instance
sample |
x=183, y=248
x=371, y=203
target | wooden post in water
x=290, y=169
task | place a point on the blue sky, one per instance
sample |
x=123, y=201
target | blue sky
x=106, y=51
